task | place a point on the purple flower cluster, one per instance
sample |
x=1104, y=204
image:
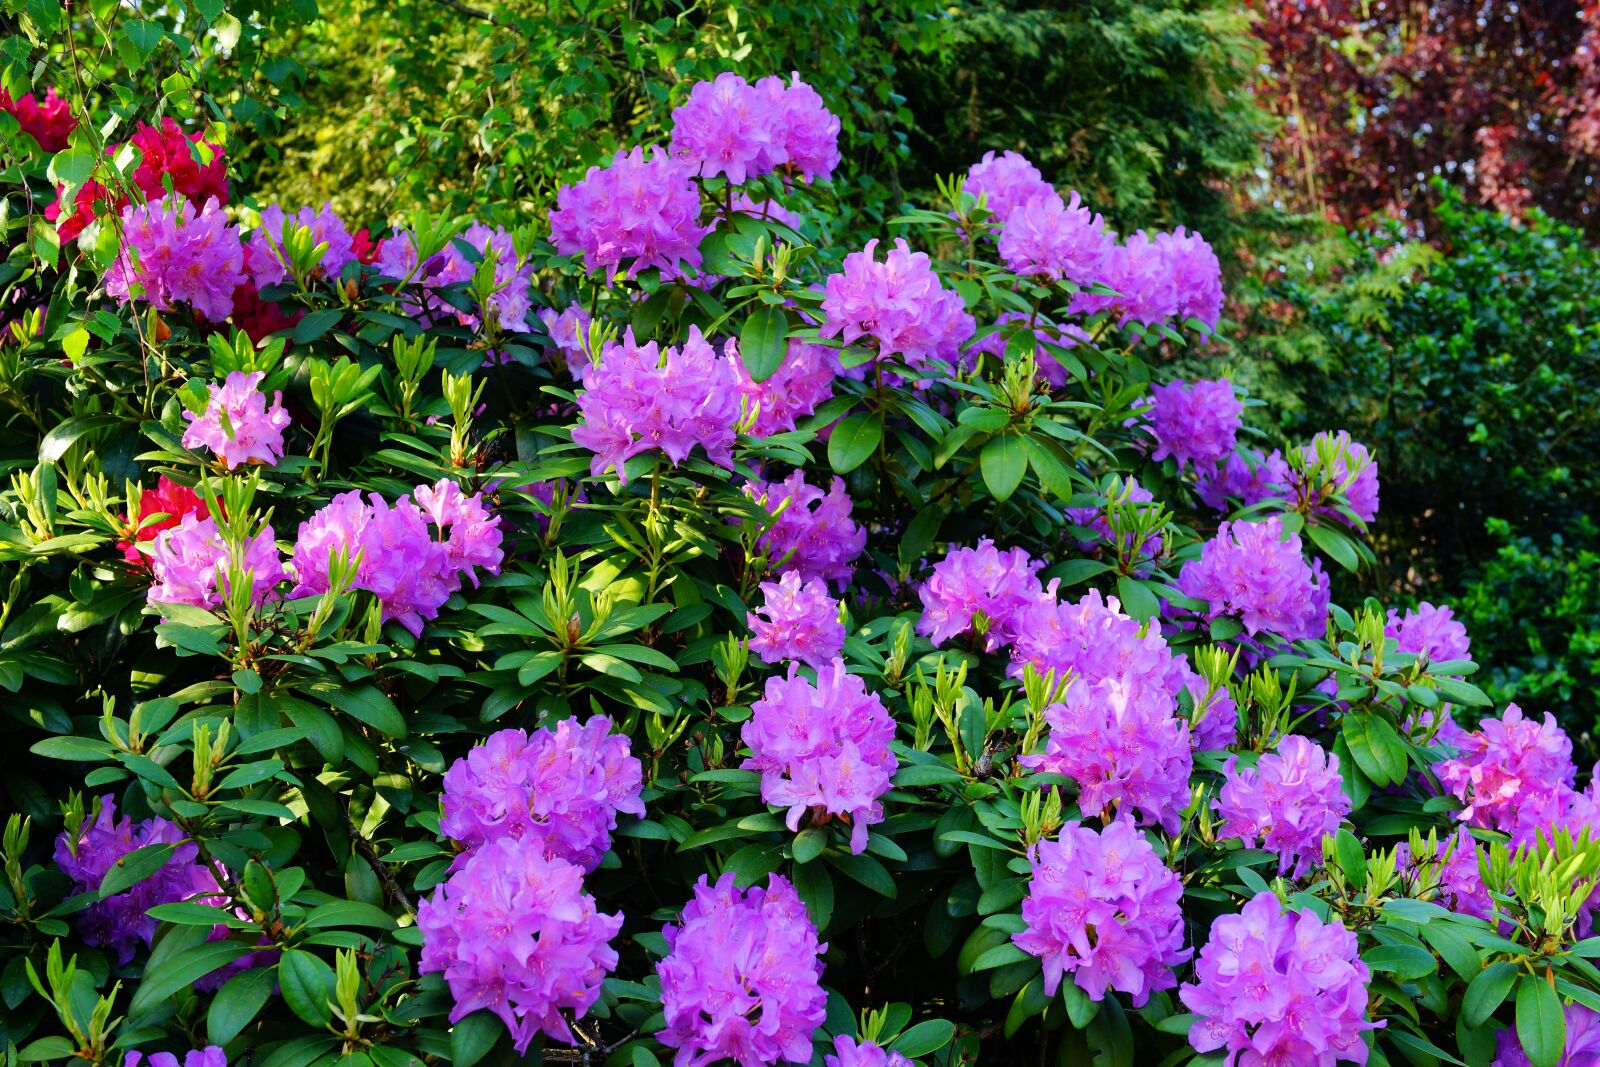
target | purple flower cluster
x=796, y=621
x=822, y=748
x=1288, y=802
x=1279, y=988
x=190, y=561
x=1195, y=422
x=401, y=562
x=643, y=397
x=171, y=255
x=1505, y=765
x=1429, y=631
x=744, y=131
x=562, y=787
x=268, y=261
x=899, y=303
x=1354, y=473
x=513, y=932
x=1045, y=332
x=1452, y=866
x=981, y=589
x=1063, y=241
x=1103, y=908
x=210, y=1056
x=1006, y=182
x=119, y=922
x=1582, y=1048
x=814, y=536
x=569, y=333
x=847, y=1053
x=640, y=208
x=743, y=979
x=1250, y=477
x=1251, y=571
x=237, y=424
x=512, y=300
x=1120, y=741
x=803, y=381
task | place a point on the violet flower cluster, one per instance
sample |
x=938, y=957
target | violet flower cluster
x=512, y=300
x=411, y=554
x=238, y=424
x=119, y=922
x=743, y=131
x=643, y=397
x=1505, y=765
x=210, y=1056
x=513, y=932
x=569, y=333
x=899, y=303
x=1248, y=476
x=1102, y=907
x=1196, y=423
x=562, y=787
x=982, y=589
x=1253, y=572
x=268, y=260
x=1063, y=241
x=1429, y=631
x=802, y=382
x=822, y=749
x=847, y=1052
x=189, y=564
x=641, y=208
x=1450, y=866
x=1272, y=987
x=1353, y=473
x=172, y=255
x=1006, y=182
x=814, y=535
x=1287, y=803
x=797, y=620
x=743, y=978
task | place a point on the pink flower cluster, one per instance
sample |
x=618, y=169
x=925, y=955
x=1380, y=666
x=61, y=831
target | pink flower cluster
x=1103, y=908
x=1195, y=422
x=743, y=979
x=1279, y=988
x=569, y=333
x=899, y=303
x=981, y=589
x=643, y=397
x=119, y=922
x=238, y=425
x=210, y=1056
x=822, y=749
x=1429, y=631
x=796, y=621
x=1006, y=182
x=1062, y=241
x=167, y=498
x=513, y=932
x=803, y=381
x=1288, y=802
x=847, y=1053
x=1250, y=477
x=640, y=208
x=49, y=122
x=1251, y=571
x=1354, y=473
x=400, y=561
x=744, y=131
x=268, y=260
x=562, y=787
x=190, y=562
x=512, y=300
x=1505, y=765
x=1453, y=867
x=1120, y=741
x=814, y=536
x=170, y=255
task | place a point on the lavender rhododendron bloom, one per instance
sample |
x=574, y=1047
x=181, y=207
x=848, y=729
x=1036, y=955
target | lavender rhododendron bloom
x=1062, y=241
x=1250, y=477
x=1252, y=572
x=569, y=333
x=1450, y=866
x=238, y=424
x=797, y=620
x=210, y=1056
x=562, y=787
x=268, y=260
x=1353, y=472
x=1214, y=722
x=899, y=303
x=1103, y=908
x=743, y=978
x=806, y=132
x=802, y=382
x=982, y=589
x=848, y=1053
x=1582, y=1048
x=190, y=564
x=1276, y=988
x=1429, y=631
x=822, y=749
x=725, y=128
x=119, y=922
x=1505, y=764
x=1196, y=275
x=514, y=933
x=642, y=397
x=814, y=535
x=170, y=255
x=1006, y=182
x=1121, y=742
x=1095, y=640
x=1195, y=422
x=472, y=541
x=641, y=208
x=1287, y=803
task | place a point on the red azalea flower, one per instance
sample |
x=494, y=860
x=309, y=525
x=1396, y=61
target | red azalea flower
x=169, y=498
x=165, y=154
x=50, y=123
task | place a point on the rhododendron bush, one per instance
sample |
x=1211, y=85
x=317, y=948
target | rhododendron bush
x=659, y=632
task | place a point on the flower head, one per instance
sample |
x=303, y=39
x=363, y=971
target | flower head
x=726, y=127
x=167, y=498
x=1429, y=631
x=1288, y=802
x=981, y=589
x=797, y=620
x=190, y=564
x=814, y=535
x=237, y=423
x=803, y=381
x=170, y=255
x=569, y=333
x=1195, y=422
x=806, y=133
x=194, y=168
x=267, y=258
x=210, y=1056
x=847, y=1053
x=1250, y=477
x=639, y=208
x=1350, y=471
x=1251, y=571
x=1065, y=242
x=1506, y=764
x=899, y=303
x=1006, y=182
x=49, y=122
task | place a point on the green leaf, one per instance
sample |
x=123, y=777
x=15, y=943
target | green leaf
x=854, y=440
x=1541, y=1027
x=1405, y=962
x=307, y=984
x=70, y=747
x=763, y=342
x=161, y=981
x=868, y=871
x=144, y=35
x=1000, y=956
x=54, y=445
x=1137, y=599
x=809, y=844
x=1460, y=692
x=366, y=703
x=349, y=913
x=1004, y=460
x=815, y=887
x=1338, y=547
x=923, y=1038
x=1352, y=860
x=238, y=1002
x=315, y=324
x=1375, y=747
x=473, y=1037
x=1454, y=948
x=134, y=868
x=915, y=774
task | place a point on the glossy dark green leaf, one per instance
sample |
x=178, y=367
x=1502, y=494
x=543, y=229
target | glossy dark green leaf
x=763, y=342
